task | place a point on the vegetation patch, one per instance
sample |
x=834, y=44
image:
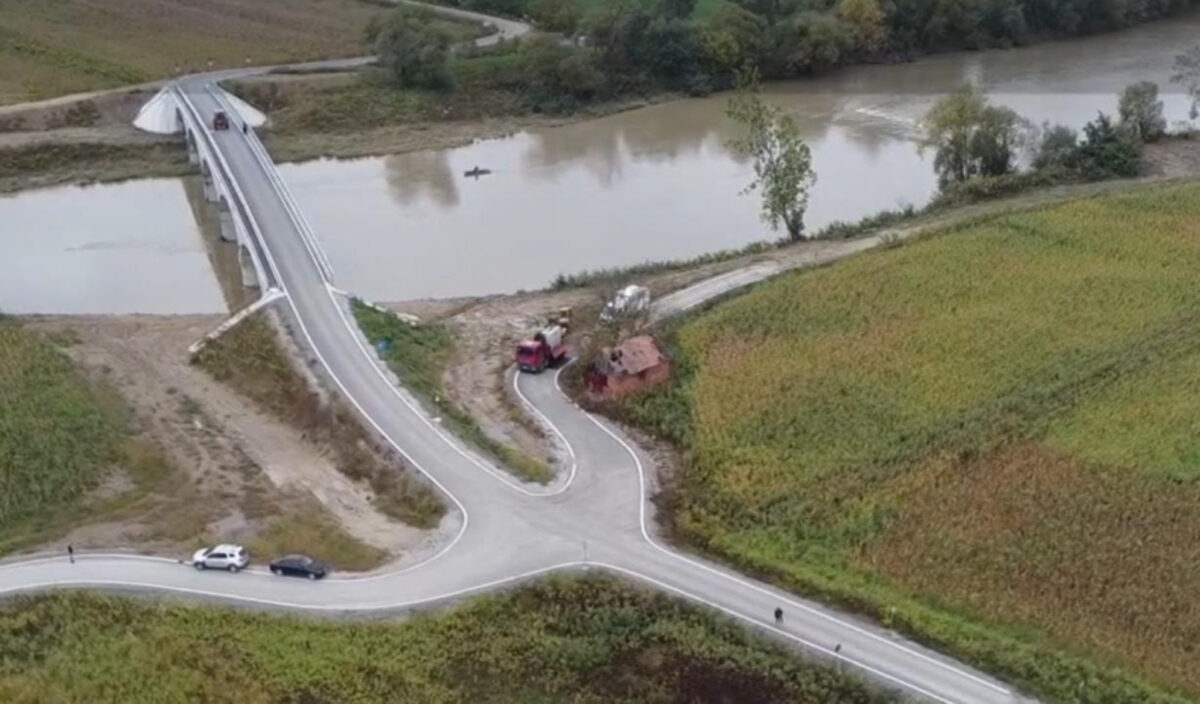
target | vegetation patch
x=582, y=640
x=249, y=359
x=51, y=164
x=55, y=48
x=419, y=355
x=809, y=407
x=320, y=537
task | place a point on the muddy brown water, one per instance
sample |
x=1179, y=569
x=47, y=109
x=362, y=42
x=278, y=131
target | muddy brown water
x=660, y=183
x=651, y=184
x=132, y=247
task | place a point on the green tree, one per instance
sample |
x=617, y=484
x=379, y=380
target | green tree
x=782, y=162
x=732, y=37
x=866, y=20
x=412, y=49
x=1058, y=148
x=676, y=9
x=971, y=137
x=1141, y=112
x=1107, y=152
x=1187, y=73
x=556, y=15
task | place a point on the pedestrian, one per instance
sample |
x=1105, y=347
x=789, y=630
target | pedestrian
x=71, y=553
x=245, y=128
x=837, y=648
x=778, y=615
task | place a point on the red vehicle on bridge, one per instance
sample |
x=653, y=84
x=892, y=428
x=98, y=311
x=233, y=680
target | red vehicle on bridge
x=220, y=120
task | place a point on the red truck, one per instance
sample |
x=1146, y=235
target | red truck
x=546, y=349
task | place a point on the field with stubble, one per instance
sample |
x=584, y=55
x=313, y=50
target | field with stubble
x=986, y=437
x=68, y=46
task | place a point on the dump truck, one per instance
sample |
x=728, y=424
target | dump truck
x=220, y=120
x=546, y=349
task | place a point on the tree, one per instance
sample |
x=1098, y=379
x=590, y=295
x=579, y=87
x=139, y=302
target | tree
x=1107, y=152
x=866, y=20
x=782, y=162
x=412, y=50
x=1058, y=148
x=1187, y=73
x=1141, y=112
x=676, y=9
x=555, y=15
x=971, y=137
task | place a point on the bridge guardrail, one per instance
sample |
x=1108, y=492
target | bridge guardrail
x=311, y=243
x=259, y=253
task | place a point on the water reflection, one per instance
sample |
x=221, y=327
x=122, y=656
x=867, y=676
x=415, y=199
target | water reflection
x=661, y=182
x=420, y=174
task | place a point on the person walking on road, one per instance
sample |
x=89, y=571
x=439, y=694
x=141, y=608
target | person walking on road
x=245, y=128
x=71, y=553
x=778, y=615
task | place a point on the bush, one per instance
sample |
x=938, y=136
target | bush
x=412, y=49
x=1141, y=112
x=1107, y=152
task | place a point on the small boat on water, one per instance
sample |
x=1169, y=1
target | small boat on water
x=477, y=172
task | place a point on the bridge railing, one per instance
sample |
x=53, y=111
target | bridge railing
x=311, y=243
x=264, y=264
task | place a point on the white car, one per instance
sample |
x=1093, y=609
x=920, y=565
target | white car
x=221, y=557
x=629, y=302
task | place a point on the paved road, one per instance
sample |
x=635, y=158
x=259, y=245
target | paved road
x=598, y=516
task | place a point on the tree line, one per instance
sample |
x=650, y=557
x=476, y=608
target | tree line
x=617, y=47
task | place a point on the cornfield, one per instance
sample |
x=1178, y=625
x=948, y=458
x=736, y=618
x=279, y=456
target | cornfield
x=58, y=434
x=841, y=425
x=53, y=48
x=579, y=640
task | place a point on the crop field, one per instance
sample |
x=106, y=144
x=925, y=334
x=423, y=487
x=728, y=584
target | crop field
x=66, y=46
x=579, y=640
x=986, y=437
x=58, y=434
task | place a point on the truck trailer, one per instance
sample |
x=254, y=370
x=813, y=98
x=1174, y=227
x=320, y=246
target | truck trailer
x=545, y=349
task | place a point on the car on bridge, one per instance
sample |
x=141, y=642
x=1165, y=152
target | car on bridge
x=220, y=120
x=221, y=557
x=299, y=566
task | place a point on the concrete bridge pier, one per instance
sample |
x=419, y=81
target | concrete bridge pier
x=229, y=231
x=210, y=188
x=249, y=278
x=193, y=151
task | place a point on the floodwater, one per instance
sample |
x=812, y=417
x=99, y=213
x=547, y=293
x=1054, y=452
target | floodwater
x=132, y=247
x=659, y=182
x=651, y=184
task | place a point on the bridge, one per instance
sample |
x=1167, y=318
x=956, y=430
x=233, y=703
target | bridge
x=499, y=531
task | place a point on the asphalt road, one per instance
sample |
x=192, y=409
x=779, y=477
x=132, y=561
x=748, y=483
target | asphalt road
x=597, y=516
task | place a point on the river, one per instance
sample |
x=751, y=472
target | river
x=649, y=184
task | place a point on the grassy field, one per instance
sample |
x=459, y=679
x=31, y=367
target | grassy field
x=249, y=359
x=579, y=640
x=59, y=435
x=43, y=165
x=985, y=437
x=419, y=354
x=67, y=46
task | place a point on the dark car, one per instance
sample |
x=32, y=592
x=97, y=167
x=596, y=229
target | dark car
x=299, y=566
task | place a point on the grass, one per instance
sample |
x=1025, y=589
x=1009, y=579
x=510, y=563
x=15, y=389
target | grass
x=418, y=354
x=562, y=639
x=317, y=535
x=55, y=48
x=984, y=437
x=51, y=164
x=61, y=435
x=249, y=359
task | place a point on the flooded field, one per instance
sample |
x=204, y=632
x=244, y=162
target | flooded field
x=132, y=247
